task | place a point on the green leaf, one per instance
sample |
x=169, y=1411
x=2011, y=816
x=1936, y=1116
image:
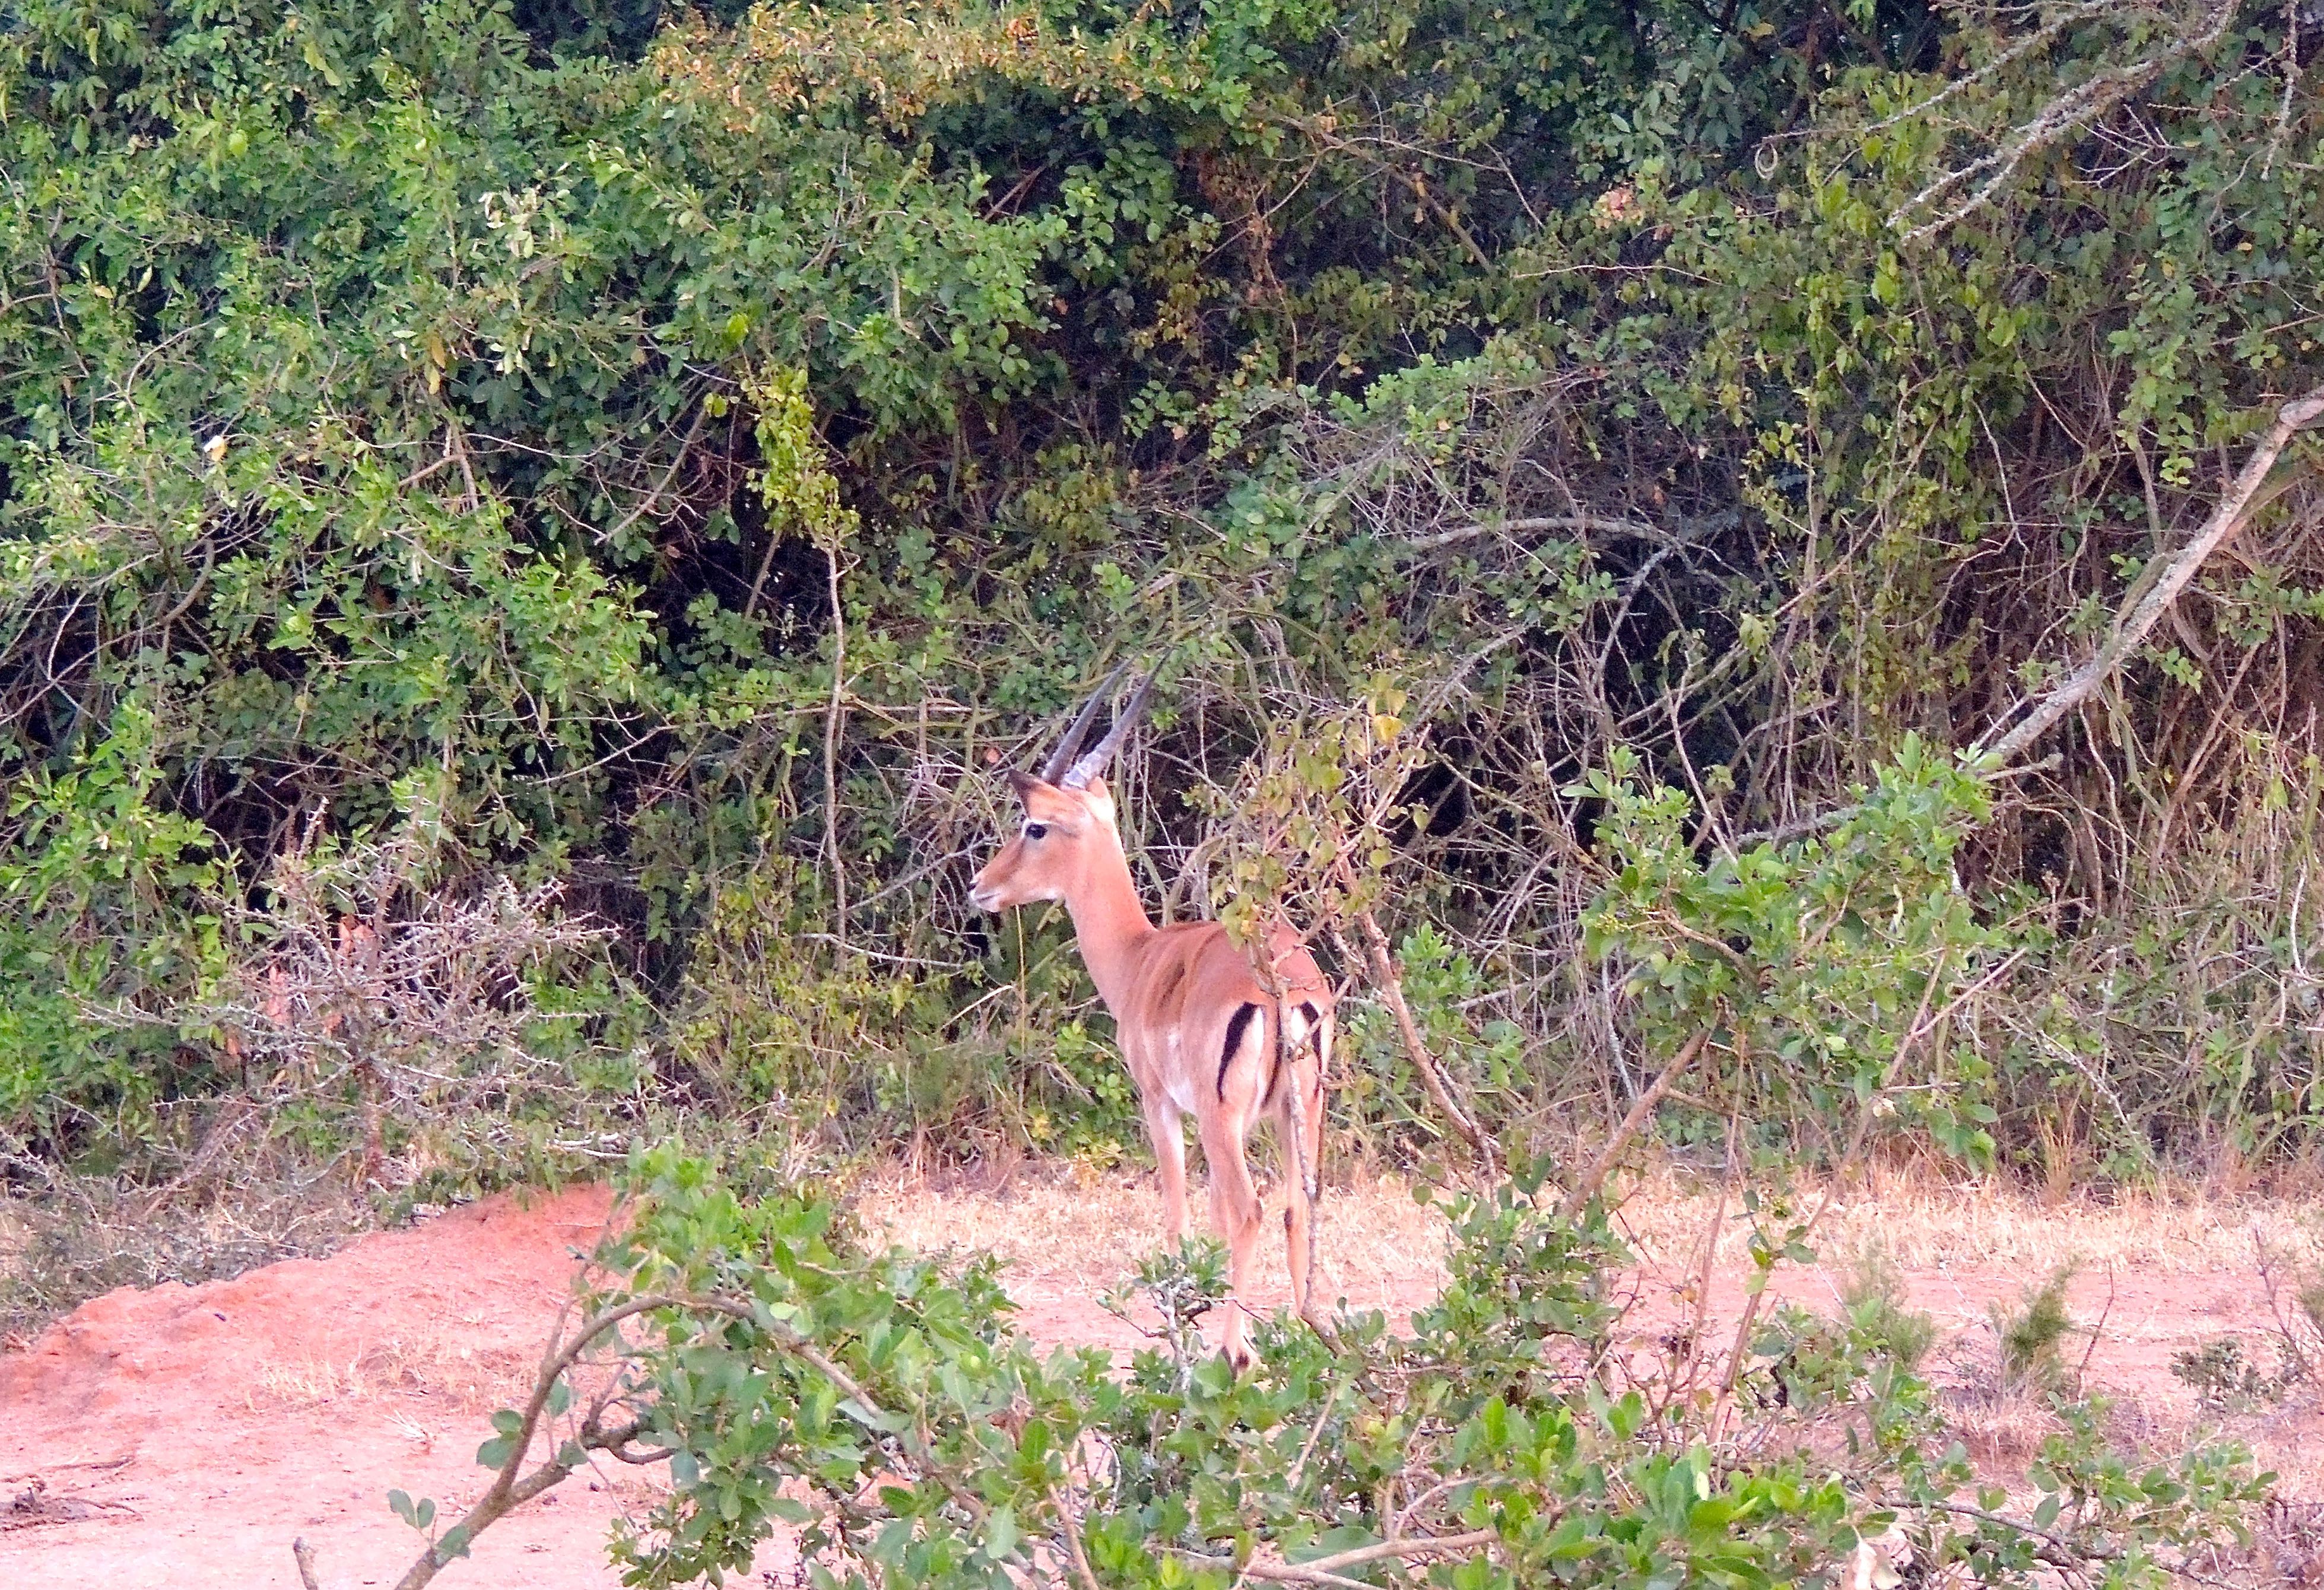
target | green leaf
x=1000, y=1533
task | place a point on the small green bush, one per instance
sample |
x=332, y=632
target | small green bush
x=1874, y=1297
x=2032, y=1334
x=2221, y=1377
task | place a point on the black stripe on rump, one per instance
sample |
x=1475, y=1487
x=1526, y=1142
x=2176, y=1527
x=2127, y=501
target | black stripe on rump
x=1237, y=1025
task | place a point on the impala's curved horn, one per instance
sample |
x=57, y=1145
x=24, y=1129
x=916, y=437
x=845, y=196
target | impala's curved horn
x=1061, y=758
x=1079, y=774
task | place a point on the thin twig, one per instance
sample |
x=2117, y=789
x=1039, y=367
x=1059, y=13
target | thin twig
x=2073, y=1555
x=1071, y=1519
x=1415, y=1048
x=2082, y=1369
x=831, y=722
x=653, y=498
x=1702, y=1326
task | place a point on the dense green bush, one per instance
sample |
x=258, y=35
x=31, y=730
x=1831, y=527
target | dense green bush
x=675, y=453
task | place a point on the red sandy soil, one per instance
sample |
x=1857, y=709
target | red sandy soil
x=181, y=1437
x=185, y=1434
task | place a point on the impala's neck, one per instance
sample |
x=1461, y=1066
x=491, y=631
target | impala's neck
x=1110, y=921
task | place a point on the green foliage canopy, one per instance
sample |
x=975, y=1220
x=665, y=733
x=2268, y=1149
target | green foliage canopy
x=385, y=433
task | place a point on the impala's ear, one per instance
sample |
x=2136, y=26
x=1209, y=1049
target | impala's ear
x=1024, y=783
x=1100, y=801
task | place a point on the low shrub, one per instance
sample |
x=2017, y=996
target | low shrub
x=883, y=1406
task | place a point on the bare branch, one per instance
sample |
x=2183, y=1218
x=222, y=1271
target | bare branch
x=508, y=1491
x=2070, y=111
x=354, y=972
x=1586, y=1186
x=1321, y=1570
x=1415, y=1048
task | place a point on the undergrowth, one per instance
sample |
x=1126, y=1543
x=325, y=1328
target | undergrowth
x=887, y=1409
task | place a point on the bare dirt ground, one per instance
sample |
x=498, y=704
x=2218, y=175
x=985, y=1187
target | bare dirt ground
x=181, y=1437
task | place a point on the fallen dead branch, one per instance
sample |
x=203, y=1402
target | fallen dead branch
x=2147, y=602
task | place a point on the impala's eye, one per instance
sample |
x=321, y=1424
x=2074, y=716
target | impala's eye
x=1035, y=830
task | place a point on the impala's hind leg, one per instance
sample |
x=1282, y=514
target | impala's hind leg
x=1299, y=1128
x=1237, y=1216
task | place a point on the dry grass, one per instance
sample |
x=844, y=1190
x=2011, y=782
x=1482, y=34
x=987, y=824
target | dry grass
x=2186, y=1268
x=1927, y=1224
x=80, y=1236
x=457, y=1378
x=1054, y=1221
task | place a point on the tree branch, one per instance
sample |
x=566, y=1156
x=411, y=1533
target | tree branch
x=1561, y=521
x=2075, y=108
x=1319, y=1570
x=508, y=1491
x=1592, y=1179
x=2062, y=1553
x=1415, y=1048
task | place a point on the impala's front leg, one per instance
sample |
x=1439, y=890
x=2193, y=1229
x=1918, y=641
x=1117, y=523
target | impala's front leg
x=1170, y=1138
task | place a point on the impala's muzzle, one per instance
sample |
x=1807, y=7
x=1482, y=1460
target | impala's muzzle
x=984, y=898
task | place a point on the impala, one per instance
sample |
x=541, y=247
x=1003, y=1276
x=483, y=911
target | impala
x=1206, y=1030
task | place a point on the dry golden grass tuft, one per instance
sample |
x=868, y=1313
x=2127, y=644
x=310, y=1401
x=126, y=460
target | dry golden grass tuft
x=461, y=1379
x=2001, y=1430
